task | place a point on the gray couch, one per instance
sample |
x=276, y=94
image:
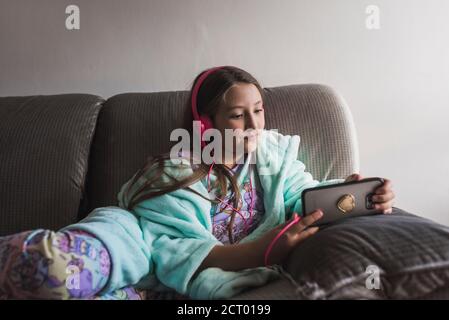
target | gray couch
x=63, y=155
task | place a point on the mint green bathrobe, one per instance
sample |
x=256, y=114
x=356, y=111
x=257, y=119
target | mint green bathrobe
x=161, y=243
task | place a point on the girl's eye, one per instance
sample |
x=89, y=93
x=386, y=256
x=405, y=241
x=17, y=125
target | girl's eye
x=238, y=116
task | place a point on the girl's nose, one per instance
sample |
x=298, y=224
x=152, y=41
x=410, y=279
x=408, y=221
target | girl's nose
x=250, y=123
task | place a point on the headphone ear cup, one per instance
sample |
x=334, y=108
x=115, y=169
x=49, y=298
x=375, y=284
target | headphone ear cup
x=206, y=123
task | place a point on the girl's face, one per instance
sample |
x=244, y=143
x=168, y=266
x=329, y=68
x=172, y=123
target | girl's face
x=243, y=110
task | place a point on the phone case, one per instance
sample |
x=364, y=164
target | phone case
x=342, y=200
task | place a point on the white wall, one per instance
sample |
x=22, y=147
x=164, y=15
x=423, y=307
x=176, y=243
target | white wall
x=395, y=79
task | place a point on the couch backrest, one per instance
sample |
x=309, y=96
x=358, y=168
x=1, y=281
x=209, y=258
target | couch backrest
x=63, y=155
x=44, y=150
x=135, y=125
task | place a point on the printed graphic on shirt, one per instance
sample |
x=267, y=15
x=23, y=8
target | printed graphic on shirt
x=244, y=222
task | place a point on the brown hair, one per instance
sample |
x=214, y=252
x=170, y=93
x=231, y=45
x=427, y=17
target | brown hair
x=210, y=97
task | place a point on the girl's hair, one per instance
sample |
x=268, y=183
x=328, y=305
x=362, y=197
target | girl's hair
x=210, y=96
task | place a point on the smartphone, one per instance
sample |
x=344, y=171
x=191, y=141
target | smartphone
x=341, y=200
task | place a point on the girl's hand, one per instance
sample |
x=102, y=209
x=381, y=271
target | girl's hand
x=383, y=197
x=290, y=239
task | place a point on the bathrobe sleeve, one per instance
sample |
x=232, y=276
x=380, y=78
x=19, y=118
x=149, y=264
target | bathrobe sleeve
x=120, y=232
x=179, y=232
x=176, y=226
x=279, y=168
x=297, y=181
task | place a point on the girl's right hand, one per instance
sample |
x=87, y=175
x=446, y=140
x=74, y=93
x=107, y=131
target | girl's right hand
x=290, y=239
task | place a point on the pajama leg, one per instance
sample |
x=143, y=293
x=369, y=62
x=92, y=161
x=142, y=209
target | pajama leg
x=101, y=256
x=43, y=264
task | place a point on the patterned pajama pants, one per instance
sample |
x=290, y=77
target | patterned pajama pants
x=43, y=264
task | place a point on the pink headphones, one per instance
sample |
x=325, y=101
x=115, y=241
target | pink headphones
x=205, y=121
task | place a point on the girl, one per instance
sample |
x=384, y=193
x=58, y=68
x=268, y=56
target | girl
x=184, y=225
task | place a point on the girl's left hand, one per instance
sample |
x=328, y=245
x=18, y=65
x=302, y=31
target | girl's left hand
x=384, y=196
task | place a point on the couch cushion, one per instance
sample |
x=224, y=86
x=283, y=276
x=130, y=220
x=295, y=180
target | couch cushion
x=130, y=128
x=410, y=253
x=44, y=143
x=133, y=126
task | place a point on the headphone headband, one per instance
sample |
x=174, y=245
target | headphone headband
x=196, y=89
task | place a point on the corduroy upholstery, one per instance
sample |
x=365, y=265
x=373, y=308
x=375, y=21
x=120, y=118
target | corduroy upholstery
x=44, y=150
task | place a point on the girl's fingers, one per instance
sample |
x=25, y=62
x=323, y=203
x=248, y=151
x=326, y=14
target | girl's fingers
x=306, y=233
x=306, y=221
x=383, y=197
x=383, y=206
x=310, y=219
x=353, y=177
x=385, y=188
